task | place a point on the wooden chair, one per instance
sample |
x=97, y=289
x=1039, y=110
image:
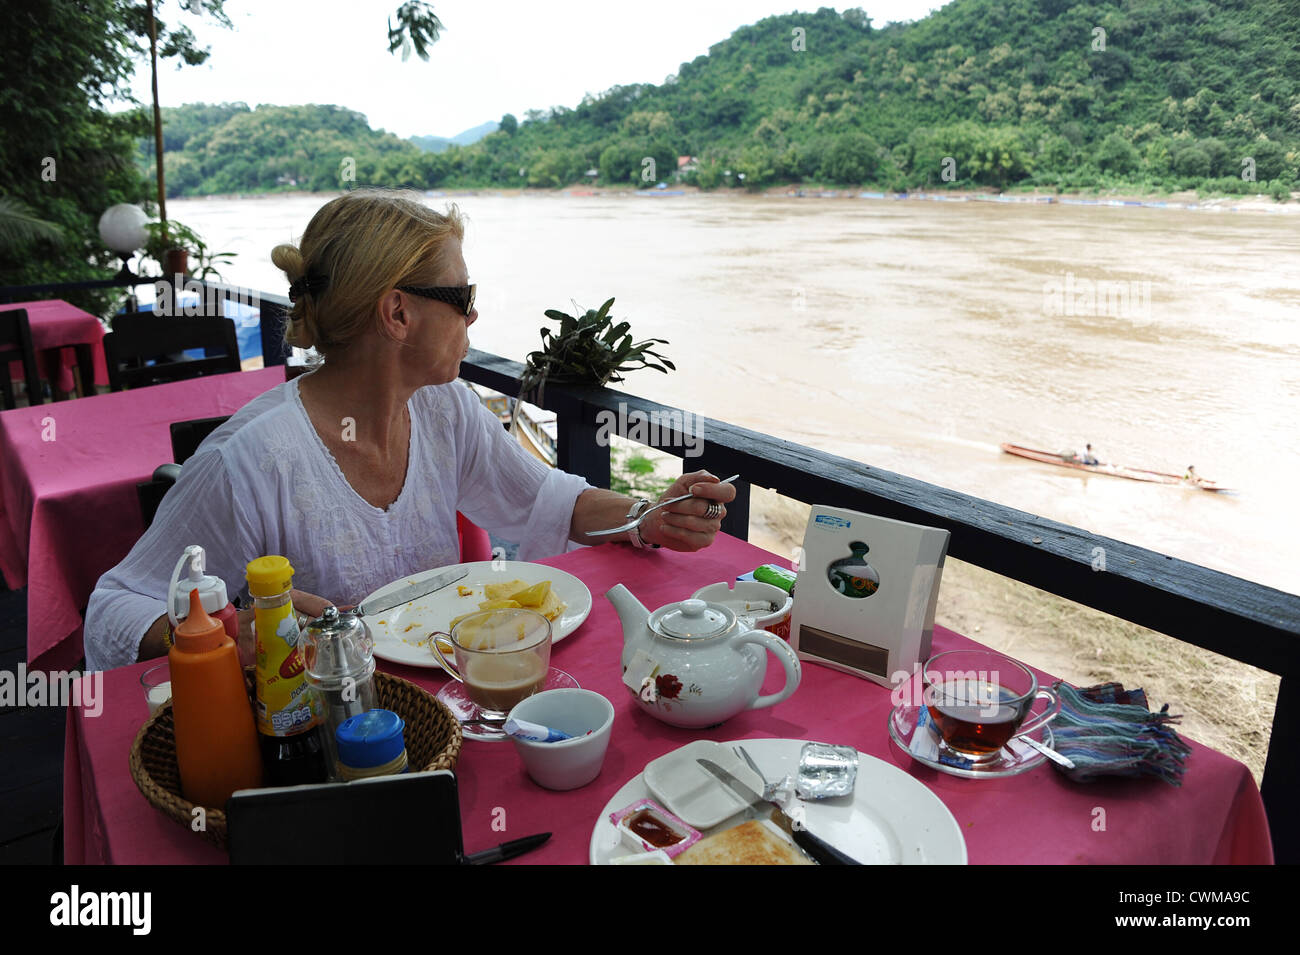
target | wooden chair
x=138, y=338
x=16, y=344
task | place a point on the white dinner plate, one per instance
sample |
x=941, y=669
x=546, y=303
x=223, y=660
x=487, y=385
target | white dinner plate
x=400, y=633
x=891, y=818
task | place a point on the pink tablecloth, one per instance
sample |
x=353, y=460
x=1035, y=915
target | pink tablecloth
x=57, y=325
x=1039, y=817
x=68, y=505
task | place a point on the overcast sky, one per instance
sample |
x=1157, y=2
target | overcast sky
x=495, y=56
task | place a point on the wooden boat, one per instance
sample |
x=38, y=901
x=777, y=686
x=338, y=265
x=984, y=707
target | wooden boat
x=1114, y=470
x=535, y=428
x=494, y=401
x=537, y=431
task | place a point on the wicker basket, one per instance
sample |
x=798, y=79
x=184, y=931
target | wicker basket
x=432, y=735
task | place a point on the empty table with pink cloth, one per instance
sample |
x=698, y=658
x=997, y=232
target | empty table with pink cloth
x=77, y=335
x=68, y=505
x=1216, y=816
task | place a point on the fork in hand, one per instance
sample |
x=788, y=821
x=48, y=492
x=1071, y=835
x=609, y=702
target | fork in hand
x=646, y=513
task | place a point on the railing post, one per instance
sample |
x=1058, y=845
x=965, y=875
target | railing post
x=579, y=451
x=1280, y=787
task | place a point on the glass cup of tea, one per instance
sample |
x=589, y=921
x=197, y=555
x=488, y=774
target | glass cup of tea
x=979, y=701
x=501, y=656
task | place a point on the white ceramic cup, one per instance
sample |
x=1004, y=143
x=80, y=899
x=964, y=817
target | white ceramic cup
x=569, y=763
x=776, y=622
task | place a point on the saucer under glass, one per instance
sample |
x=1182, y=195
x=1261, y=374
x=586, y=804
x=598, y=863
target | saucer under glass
x=463, y=708
x=911, y=729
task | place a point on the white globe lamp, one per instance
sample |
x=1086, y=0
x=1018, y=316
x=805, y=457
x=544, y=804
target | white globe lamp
x=122, y=229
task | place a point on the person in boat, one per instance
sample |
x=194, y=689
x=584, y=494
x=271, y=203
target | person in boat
x=1088, y=456
x=356, y=470
x=1191, y=476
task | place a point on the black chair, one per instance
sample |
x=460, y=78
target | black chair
x=16, y=344
x=188, y=435
x=186, y=438
x=138, y=338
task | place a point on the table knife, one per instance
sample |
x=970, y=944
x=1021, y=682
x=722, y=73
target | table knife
x=410, y=592
x=818, y=848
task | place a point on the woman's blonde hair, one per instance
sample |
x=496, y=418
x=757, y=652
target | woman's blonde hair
x=356, y=248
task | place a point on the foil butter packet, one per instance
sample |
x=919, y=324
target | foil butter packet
x=826, y=771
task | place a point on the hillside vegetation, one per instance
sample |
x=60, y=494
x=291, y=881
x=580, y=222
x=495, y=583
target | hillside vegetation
x=1139, y=94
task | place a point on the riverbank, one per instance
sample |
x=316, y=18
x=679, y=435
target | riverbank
x=1224, y=704
x=1185, y=200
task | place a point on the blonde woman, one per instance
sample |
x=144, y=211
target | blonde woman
x=355, y=471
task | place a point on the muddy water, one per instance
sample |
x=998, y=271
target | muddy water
x=916, y=336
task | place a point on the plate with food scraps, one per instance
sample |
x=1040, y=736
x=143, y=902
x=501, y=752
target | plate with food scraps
x=402, y=634
x=890, y=818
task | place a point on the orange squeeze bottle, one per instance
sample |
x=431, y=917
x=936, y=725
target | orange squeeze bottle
x=216, y=740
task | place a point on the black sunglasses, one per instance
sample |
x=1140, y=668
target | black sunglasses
x=462, y=296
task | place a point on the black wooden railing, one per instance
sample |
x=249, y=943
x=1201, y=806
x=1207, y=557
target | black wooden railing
x=1239, y=619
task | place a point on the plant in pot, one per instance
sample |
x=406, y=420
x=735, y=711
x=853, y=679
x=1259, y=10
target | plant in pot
x=171, y=245
x=588, y=350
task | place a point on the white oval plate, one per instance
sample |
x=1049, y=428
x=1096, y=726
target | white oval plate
x=399, y=633
x=891, y=818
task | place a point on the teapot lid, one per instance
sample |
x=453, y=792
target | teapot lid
x=337, y=645
x=692, y=620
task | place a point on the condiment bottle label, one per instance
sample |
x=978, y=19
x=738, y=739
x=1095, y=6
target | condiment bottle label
x=286, y=703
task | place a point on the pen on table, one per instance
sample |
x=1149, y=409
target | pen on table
x=507, y=850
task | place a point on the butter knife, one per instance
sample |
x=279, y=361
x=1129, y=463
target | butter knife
x=410, y=592
x=818, y=848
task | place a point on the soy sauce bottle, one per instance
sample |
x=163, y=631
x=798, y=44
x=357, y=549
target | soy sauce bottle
x=289, y=713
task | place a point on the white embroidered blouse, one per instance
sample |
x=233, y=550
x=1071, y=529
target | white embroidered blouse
x=264, y=483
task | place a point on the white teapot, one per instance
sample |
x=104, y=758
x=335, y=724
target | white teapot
x=693, y=664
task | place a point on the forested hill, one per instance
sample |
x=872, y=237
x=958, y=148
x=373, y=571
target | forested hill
x=1165, y=94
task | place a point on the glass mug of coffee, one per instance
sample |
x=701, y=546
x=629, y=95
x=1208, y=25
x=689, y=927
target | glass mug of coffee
x=979, y=700
x=501, y=656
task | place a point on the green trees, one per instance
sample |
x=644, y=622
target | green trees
x=983, y=93
x=1116, y=154
x=63, y=156
x=853, y=158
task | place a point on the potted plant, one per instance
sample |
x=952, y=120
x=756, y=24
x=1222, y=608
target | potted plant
x=171, y=245
x=588, y=350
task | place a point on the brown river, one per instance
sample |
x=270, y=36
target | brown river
x=916, y=336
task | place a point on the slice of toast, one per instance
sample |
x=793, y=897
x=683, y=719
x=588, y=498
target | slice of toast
x=750, y=843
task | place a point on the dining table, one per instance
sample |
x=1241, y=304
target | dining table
x=63, y=336
x=1037, y=817
x=68, y=504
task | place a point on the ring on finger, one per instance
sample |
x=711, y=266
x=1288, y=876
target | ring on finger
x=714, y=510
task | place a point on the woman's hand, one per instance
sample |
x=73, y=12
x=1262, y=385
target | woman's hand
x=304, y=604
x=683, y=526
